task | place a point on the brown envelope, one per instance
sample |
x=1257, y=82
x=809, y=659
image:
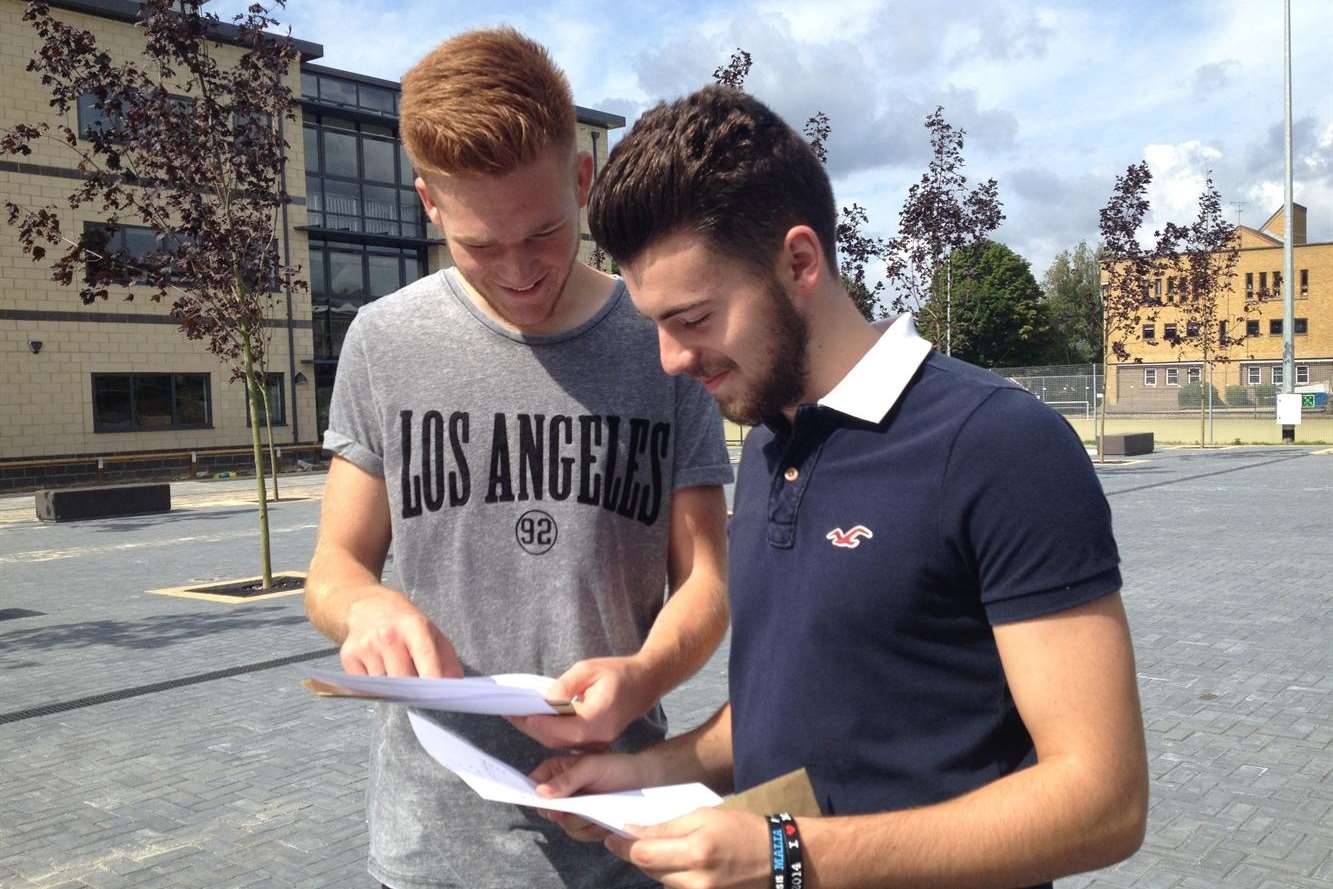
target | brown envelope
x=791, y=793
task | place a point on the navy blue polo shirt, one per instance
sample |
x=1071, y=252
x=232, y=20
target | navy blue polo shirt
x=875, y=543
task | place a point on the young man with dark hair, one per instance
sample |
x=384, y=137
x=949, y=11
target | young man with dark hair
x=923, y=579
x=506, y=424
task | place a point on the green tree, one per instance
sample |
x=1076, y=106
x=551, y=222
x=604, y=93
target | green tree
x=999, y=319
x=1072, y=293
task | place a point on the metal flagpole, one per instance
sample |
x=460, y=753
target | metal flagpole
x=1288, y=226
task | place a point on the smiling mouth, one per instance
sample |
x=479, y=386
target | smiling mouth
x=711, y=383
x=527, y=289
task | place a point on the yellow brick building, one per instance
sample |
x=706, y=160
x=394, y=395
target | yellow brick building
x=1151, y=378
x=114, y=390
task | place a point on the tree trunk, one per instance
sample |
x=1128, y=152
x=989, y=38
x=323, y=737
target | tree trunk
x=272, y=452
x=252, y=405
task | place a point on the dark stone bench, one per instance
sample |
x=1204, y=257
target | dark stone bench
x=1127, y=444
x=73, y=504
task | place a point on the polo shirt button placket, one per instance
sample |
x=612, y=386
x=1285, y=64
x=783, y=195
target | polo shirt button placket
x=792, y=474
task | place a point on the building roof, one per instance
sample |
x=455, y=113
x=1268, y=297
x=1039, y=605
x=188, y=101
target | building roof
x=128, y=11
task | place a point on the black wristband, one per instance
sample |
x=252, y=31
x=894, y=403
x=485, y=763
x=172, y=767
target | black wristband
x=794, y=860
x=777, y=846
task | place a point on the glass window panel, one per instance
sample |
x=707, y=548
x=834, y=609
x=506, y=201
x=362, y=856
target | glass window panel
x=152, y=402
x=345, y=282
x=377, y=129
x=111, y=403
x=338, y=332
x=314, y=200
x=411, y=267
x=340, y=154
x=311, y=149
x=342, y=205
x=379, y=159
x=191, y=399
x=273, y=389
x=337, y=92
x=139, y=241
x=318, y=286
x=376, y=98
x=405, y=174
x=309, y=86
x=385, y=277
x=380, y=202
x=409, y=206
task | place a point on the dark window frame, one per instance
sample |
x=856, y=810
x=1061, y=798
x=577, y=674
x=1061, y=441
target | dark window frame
x=1149, y=332
x=1275, y=327
x=100, y=427
x=319, y=174
x=1253, y=327
x=410, y=259
x=274, y=381
x=94, y=270
x=1300, y=326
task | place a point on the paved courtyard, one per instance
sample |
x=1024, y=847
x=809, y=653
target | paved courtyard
x=150, y=741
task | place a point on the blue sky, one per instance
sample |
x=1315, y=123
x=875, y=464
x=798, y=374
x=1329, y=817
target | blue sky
x=1057, y=98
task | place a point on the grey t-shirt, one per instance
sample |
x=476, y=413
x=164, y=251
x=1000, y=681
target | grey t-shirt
x=529, y=482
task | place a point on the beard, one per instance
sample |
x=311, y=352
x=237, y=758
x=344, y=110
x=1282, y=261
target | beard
x=781, y=379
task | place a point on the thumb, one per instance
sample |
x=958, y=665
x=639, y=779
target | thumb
x=570, y=776
x=677, y=827
x=573, y=682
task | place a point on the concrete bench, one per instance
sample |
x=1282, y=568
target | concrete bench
x=73, y=504
x=1127, y=444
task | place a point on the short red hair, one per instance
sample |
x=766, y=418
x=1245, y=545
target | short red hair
x=484, y=102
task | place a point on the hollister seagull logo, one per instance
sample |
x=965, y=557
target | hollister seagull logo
x=849, y=539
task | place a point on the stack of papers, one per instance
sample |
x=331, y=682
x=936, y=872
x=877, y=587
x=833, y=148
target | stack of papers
x=494, y=780
x=511, y=694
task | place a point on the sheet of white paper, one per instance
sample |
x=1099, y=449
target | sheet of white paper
x=509, y=694
x=494, y=780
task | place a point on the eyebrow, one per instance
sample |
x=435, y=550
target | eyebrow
x=671, y=313
x=469, y=241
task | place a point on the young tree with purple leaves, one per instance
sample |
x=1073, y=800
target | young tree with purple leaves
x=187, y=146
x=939, y=216
x=856, y=249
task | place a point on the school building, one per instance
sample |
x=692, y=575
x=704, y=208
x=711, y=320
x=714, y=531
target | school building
x=114, y=390
x=1249, y=371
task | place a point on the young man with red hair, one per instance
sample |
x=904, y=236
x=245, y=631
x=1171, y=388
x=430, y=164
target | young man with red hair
x=505, y=423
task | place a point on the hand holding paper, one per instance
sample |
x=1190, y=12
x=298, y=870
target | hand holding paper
x=513, y=694
x=494, y=780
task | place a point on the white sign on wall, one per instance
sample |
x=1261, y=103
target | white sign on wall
x=1289, y=409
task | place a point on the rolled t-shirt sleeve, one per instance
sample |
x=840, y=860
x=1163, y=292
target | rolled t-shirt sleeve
x=701, y=448
x=355, y=432
x=1022, y=509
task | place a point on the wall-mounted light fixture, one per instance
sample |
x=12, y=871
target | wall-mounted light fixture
x=299, y=378
x=35, y=346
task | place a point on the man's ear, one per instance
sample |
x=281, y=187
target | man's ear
x=428, y=202
x=584, y=172
x=802, y=260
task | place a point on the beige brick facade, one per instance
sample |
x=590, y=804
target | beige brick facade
x=46, y=398
x=1151, y=378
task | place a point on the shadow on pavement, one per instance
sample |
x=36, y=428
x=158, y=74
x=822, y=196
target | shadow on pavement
x=158, y=631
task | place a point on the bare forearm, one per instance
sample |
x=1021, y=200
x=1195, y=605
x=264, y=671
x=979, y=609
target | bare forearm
x=703, y=754
x=1035, y=825
x=686, y=633
x=335, y=583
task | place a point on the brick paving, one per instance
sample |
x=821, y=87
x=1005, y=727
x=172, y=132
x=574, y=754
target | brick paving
x=249, y=781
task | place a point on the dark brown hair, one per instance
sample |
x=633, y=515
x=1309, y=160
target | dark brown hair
x=484, y=102
x=717, y=163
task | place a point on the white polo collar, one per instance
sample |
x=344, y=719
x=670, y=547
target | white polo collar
x=874, y=385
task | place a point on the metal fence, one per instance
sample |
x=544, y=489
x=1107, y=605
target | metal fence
x=1072, y=389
